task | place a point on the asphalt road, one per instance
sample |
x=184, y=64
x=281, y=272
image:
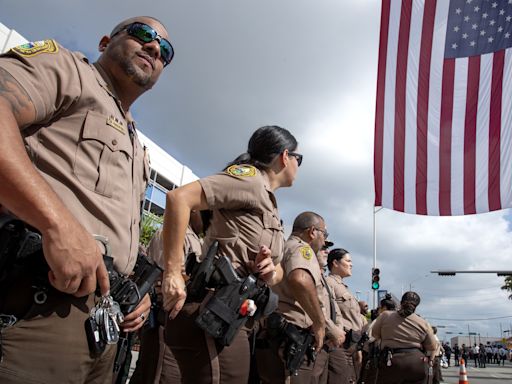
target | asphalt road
x=492, y=374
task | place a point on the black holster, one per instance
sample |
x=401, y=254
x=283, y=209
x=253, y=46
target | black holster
x=223, y=314
x=297, y=342
x=23, y=268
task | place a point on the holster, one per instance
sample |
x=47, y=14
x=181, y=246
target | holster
x=297, y=342
x=23, y=268
x=224, y=312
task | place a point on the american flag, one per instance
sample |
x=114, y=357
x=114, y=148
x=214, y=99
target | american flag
x=443, y=125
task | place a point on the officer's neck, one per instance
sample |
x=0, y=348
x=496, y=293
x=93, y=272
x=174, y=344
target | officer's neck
x=124, y=90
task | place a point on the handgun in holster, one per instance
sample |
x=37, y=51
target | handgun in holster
x=128, y=292
x=23, y=268
x=355, y=337
x=225, y=311
x=298, y=342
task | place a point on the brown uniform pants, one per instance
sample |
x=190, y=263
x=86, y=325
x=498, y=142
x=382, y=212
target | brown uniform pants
x=200, y=358
x=272, y=370
x=406, y=368
x=156, y=363
x=341, y=367
x=52, y=348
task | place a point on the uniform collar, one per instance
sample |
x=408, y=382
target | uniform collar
x=339, y=279
x=106, y=83
x=266, y=183
x=295, y=237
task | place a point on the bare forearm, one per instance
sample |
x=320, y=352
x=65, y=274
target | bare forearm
x=176, y=218
x=305, y=293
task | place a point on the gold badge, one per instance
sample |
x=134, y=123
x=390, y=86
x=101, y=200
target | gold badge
x=115, y=123
x=36, y=47
x=241, y=170
x=306, y=252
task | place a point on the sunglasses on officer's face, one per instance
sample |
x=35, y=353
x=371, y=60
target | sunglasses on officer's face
x=147, y=34
x=298, y=156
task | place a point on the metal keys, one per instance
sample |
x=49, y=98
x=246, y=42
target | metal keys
x=107, y=316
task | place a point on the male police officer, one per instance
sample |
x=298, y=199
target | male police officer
x=302, y=301
x=71, y=165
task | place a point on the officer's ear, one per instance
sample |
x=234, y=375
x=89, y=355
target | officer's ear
x=311, y=232
x=285, y=158
x=105, y=40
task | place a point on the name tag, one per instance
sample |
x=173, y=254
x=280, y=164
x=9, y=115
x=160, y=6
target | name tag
x=116, y=124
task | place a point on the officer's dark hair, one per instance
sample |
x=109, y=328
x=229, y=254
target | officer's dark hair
x=388, y=303
x=335, y=254
x=410, y=300
x=264, y=145
x=131, y=20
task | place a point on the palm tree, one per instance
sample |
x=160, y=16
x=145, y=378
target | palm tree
x=508, y=285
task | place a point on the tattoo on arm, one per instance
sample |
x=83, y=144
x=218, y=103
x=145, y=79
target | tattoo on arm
x=17, y=97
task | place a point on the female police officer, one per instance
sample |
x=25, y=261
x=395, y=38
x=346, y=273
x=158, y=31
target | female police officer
x=247, y=226
x=405, y=339
x=341, y=363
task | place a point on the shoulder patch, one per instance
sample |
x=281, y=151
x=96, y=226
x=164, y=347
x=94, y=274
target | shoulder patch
x=306, y=252
x=241, y=170
x=36, y=47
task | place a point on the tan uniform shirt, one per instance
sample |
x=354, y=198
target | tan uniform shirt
x=347, y=303
x=333, y=328
x=394, y=331
x=245, y=216
x=192, y=244
x=80, y=143
x=298, y=255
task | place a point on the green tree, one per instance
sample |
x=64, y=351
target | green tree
x=148, y=226
x=508, y=286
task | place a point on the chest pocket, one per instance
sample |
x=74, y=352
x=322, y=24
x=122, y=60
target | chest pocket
x=273, y=236
x=103, y=158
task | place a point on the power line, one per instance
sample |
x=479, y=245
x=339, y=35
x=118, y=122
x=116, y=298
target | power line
x=490, y=318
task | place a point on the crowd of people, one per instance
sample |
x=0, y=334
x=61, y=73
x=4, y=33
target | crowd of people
x=236, y=301
x=479, y=354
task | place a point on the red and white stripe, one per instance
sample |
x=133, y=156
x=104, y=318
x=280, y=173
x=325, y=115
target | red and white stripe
x=443, y=137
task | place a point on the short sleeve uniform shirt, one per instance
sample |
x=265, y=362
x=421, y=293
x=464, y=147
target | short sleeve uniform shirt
x=81, y=143
x=245, y=216
x=346, y=302
x=395, y=331
x=298, y=255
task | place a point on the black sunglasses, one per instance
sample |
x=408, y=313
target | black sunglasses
x=298, y=156
x=147, y=34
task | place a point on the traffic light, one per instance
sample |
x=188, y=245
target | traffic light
x=375, y=278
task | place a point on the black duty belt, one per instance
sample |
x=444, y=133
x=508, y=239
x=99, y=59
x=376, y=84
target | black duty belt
x=405, y=350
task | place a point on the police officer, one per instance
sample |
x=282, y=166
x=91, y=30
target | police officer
x=71, y=165
x=302, y=302
x=405, y=340
x=156, y=363
x=246, y=223
x=341, y=362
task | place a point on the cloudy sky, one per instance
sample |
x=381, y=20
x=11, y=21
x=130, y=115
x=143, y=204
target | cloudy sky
x=309, y=66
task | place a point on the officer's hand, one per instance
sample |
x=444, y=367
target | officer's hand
x=173, y=289
x=136, y=319
x=75, y=260
x=264, y=265
x=337, y=339
x=319, y=334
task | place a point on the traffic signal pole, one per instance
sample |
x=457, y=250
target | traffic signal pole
x=375, y=210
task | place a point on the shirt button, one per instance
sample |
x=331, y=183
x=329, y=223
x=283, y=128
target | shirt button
x=114, y=142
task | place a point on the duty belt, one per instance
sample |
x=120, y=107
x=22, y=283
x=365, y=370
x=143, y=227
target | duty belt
x=405, y=350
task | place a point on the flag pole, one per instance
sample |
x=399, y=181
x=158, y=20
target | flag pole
x=375, y=210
